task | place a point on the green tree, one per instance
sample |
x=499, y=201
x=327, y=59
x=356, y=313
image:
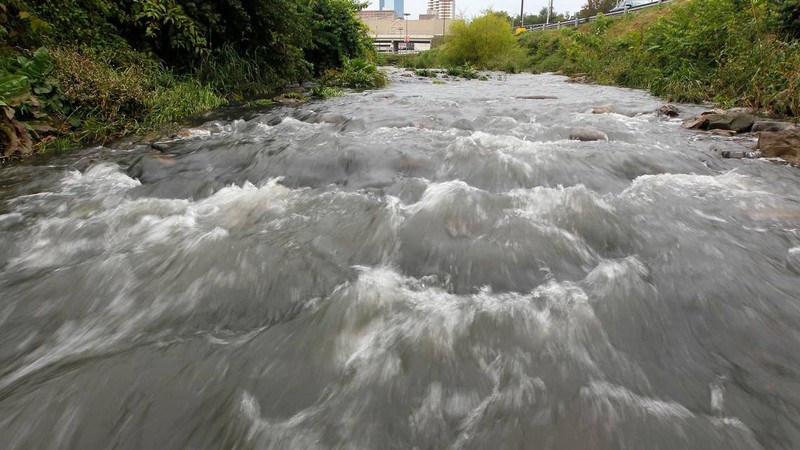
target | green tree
x=593, y=7
x=486, y=42
x=541, y=17
x=337, y=34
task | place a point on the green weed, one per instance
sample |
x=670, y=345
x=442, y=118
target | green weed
x=324, y=92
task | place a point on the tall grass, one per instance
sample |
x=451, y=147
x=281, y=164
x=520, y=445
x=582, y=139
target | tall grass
x=696, y=50
x=182, y=99
x=239, y=75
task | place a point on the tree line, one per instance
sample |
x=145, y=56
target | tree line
x=293, y=38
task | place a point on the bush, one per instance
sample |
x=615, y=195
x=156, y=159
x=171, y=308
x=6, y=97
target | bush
x=486, y=42
x=356, y=74
x=463, y=71
x=425, y=73
x=90, y=81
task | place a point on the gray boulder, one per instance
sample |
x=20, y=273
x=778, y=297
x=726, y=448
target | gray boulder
x=770, y=125
x=733, y=120
x=738, y=122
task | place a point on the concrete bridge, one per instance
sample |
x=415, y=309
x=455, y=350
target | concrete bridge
x=393, y=43
x=390, y=35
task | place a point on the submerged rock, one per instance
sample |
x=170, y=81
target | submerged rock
x=738, y=154
x=463, y=124
x=330, y=118
x=536, y=97
x=587, y=134
x=606, y=109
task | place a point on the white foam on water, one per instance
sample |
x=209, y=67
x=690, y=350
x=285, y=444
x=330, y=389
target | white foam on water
x=290, y=434
x=709, y=216
x=611, y=403
x=717, y=390
x=549, y=201
x=382, y=312
x=102, y=177
x=438, y=195
x=622, y=277
x=129, y=227
x=729, y=185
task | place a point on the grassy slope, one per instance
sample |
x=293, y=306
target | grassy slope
x=687, y=50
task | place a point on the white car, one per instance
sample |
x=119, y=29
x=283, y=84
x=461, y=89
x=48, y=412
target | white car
x=624, y=4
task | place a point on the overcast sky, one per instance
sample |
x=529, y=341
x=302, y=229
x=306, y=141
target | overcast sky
x=471, y=8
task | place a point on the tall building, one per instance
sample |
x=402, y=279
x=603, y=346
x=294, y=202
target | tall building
x=397, y=6
x=443, y=9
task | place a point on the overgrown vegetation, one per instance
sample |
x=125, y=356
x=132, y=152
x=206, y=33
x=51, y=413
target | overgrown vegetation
x=486, y=42
x=357, y=73
x=76, y=71
x=733, y=52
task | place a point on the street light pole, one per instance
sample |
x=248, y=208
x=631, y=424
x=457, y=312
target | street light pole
x=405, y=19
x=441, y=11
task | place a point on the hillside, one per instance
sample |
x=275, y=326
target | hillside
x=731, y=52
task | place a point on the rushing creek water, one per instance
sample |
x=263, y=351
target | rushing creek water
x=423, y=266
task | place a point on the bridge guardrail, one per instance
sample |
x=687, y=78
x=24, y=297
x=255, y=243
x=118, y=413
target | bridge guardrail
x=577, y=21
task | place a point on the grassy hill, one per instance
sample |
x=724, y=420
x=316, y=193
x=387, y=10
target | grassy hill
x=731, y=52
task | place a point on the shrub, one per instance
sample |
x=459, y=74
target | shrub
x=90, y=81
x=486, y=42
x=463, y=71
x=425, y=73
x=356, y=74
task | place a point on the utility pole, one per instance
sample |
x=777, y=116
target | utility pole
x=522, y=13
x=548, y=12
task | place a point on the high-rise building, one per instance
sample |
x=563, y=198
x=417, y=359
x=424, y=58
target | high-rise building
x=392, y=5
x=443, y=9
